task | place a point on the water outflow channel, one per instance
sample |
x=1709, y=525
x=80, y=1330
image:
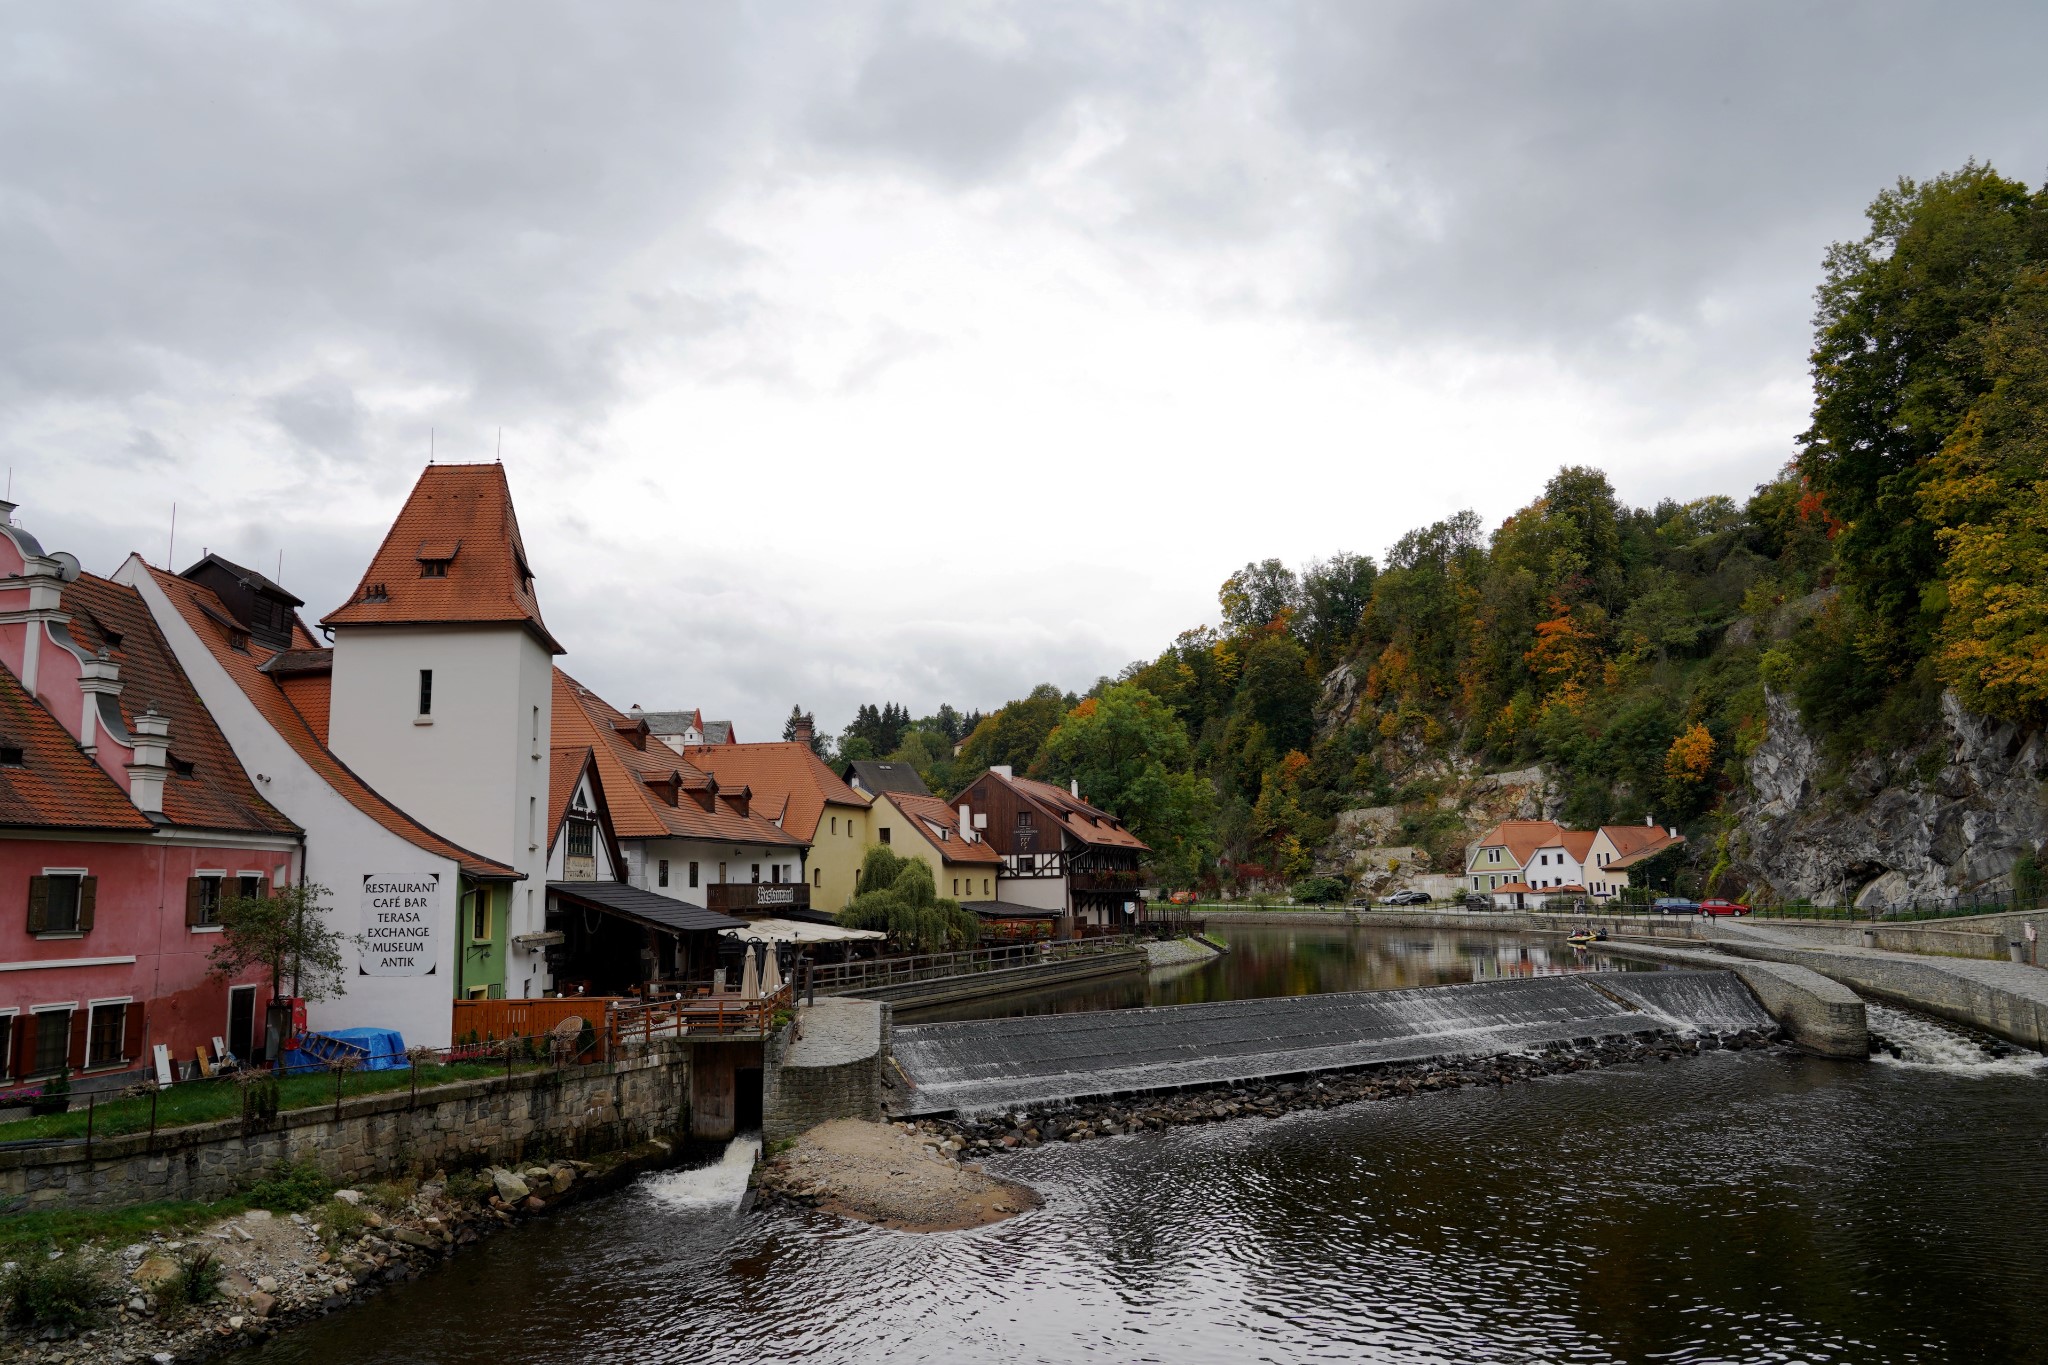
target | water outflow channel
x=1733, y=1207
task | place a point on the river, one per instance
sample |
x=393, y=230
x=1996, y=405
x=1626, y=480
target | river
x=1730, y=1208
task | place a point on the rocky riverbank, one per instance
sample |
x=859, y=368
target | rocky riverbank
x=269, y=1270
x=977, y=1138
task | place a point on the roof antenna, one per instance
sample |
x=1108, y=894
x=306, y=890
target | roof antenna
x=430, y=445
x=501, y=452
x=171, y=550
x=280, y=565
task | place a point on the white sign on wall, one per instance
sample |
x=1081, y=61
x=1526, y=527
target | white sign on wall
x=401, y=924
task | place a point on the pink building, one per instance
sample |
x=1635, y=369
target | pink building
x=124, y=819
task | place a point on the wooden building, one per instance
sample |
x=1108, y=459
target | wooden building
x=1058, y=852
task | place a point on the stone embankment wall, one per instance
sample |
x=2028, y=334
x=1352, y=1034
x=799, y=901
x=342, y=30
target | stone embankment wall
x=829, y=1066
x=573, y=1111
x=1821, y=1016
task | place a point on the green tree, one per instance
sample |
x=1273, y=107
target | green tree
x=1131, y=756
x=1334, y=595
x=287, y=933
x=897, y=896
x=1897, y=360
x=1014, y=734
x=1258, y=596
x=800, y=717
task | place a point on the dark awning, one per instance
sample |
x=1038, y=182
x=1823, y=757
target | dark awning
x=1010, y=910
x=648, y=907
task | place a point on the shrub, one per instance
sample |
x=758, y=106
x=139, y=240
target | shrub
x=2026, y=879
x=64, y=1292
x=341, y=1221
x=293, y=1187
x=196, y=1281
x=1318, y=890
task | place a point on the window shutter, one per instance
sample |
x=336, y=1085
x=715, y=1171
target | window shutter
x=81, y=1028
x=38, y=904
x=88, y=892
x=131, y=1033
x=263, y=889
x=191, y=902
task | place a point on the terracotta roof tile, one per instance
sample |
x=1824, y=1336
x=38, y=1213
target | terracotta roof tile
x=207, y=787
x=1630, y=840
x=1522, y=838
x=638, y=811
x=57, y=785
x=199, y=608
x=488, y=579
x=566, y=765
x=1578, y=843
x=952, y=849
x=782, y=768
x=1089, y=824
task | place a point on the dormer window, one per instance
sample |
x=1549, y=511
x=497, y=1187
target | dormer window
x=433, y=568
x=238, y=640
x=181, y=766
x=436, y=555
x=12, y=756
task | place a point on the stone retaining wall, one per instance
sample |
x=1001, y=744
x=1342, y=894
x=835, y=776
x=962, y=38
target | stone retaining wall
x=573, y=1111
x=828, y=1067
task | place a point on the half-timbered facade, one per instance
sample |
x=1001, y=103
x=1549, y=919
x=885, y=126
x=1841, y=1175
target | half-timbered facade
x=1059, y=852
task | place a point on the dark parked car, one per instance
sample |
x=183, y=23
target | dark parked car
x=1406, y=898
x=1674, y=905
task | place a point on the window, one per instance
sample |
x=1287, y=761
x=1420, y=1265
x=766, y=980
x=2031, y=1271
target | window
x=835, y=819
x=885, y=834
x=661, y=873
x=956, y=886
x=721, y=874
x=53, y=1041
x=426, y=691
x=757, y=872
x=105, y=1035
x=536, y=728
x=11, y=756
x=532, y=823
x=984, y=886
x=817, y=876
x=480, y=914
x=849, y=829
x=775, y=874
x=249, y=886
x=582, y=839
x=479, y=992
x=60, y=903
x=6, y=1045
x=693, y=872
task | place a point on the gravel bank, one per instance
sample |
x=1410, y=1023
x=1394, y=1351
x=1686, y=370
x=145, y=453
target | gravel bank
x=897, y=1175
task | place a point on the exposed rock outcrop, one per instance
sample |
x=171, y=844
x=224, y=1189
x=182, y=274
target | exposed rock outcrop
x=1365, y=844
x=1945, y=819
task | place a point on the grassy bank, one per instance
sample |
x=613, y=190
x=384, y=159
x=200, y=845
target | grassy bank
x=194, y=1102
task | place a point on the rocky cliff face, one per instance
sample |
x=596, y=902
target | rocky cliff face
x=1365, y=844
x=1945, y=819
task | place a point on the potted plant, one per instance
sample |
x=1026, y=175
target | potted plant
x=56, y=1096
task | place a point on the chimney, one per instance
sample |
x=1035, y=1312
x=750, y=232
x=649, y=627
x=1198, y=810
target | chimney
x=1650, y=821
x=146, y=774
x=1074, y=787
x=967, y=822
x=99, y=684
x=1000, y=769
x=802, y=730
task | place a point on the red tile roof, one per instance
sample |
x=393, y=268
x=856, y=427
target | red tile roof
x=953, y=848
x=460, y=515
x=1633, y=840
x=1089, y=824
x=1578, y=843
x=1522, y=838
x=216, y=792
x=203, y=612
x=779, y=769
x=639, y=810
x=57, y=786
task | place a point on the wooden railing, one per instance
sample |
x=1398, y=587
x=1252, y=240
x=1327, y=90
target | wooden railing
x=486, y=1020
x=759, y=898
x=728, y=1014
x=840, y=978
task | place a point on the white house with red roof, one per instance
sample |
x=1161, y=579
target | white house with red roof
x=1523, y=862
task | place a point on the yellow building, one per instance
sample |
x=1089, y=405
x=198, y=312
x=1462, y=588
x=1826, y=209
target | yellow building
x=925, y=827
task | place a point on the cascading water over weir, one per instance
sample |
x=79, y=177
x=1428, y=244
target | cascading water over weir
x=991, y=1064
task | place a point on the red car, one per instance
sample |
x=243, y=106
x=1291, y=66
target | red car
x=1721, y=907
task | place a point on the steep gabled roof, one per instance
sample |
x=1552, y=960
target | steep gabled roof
x=779, y=769
x=56, y=785
x=1578, y=843
x=1089, y=824
x=1522, y=838
x=459, y=517
x=202, y=611
x=880, y=777
x=638, y=809
x=1634, y=840
x=924, y=811
x=207, y=787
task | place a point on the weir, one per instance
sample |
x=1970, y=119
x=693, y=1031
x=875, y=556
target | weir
x=996, y=1063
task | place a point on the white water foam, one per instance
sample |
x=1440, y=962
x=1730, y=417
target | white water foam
x=721, y=1185
x=1925, y=1042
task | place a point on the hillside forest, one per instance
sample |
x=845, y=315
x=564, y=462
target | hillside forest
x=1901, y=552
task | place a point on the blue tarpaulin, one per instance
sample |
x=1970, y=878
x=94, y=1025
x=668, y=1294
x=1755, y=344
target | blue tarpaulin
x=385, y=1046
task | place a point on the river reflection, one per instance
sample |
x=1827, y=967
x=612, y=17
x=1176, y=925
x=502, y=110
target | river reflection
x=1282, y=959
x=1729, y=1208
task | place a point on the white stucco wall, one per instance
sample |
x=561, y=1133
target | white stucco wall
x=1043, y=893
x=477, y=772
x=643, y=855
x=558, y=851
x=343, y=845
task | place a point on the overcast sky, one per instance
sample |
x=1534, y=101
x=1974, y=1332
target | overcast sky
x=923, y=353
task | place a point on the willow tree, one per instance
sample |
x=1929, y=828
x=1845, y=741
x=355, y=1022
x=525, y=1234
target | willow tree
x=897, y=896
